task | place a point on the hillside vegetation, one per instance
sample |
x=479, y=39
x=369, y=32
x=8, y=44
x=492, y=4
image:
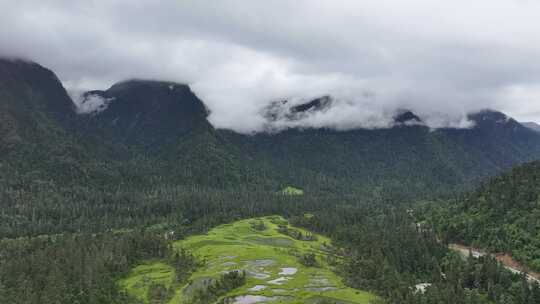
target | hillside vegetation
x=502, y=215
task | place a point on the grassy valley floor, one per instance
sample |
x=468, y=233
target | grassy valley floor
x=273, y=255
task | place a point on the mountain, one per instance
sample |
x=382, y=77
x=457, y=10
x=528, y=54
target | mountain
x=502, y=215
x=37, y=145
x=407, y=118
x=32, y=102
x=163, y=128
x=149, y=133
x=384, y=160
x=279, y=110
x=147, y=112
x=532, y=125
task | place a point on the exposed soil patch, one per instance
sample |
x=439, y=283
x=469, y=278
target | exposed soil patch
x=506, y=259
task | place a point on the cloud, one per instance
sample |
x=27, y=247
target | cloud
x=440, y=59
x=89, y=103
x=523, y=98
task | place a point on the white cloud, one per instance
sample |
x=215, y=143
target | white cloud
x=521, y=99
x=439, y=59
x=90, y=103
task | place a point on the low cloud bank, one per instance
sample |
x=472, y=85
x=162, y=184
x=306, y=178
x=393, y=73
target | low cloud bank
x=373, y=57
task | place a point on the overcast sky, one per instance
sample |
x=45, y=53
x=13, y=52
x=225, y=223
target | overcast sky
x=442, y=59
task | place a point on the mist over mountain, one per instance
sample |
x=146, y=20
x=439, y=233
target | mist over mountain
x=372, y=59
x=154, y=128
x=147, y=112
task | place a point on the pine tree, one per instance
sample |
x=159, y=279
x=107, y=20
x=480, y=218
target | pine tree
x=3, y=293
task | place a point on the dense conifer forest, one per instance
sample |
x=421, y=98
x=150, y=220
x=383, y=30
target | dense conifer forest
x=385, y=252
x=501, y=216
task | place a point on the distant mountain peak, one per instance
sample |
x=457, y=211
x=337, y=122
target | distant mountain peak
x=135, y=83
x=146, y=111
x=493, y=119
x=407, y=118
x=317, y=104
x=18, y=73
x=149, y=97
x=532, y=125
x=490, y=115
x=283, y=110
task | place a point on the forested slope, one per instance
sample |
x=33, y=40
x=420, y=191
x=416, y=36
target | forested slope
x=502, y=215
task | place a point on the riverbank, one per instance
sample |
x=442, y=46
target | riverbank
x=504, y=258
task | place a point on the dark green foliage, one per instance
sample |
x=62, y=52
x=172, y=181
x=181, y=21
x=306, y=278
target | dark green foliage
x=481, y=280
x=224, y=284
x=503, y=215
x=377, y=247
x=258, y=225
x=296, y=234
x=383, y=251
x=184, y=264
x=159, y=294
x=308, y=259
x=72, y=268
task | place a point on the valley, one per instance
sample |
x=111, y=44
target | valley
x=269, y=152
x=144, y=200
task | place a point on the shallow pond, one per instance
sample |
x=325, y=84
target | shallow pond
x=257, y=288
x=256, y=270
x=250, y=299
x=288, y=271
x=279, y=281
x=321, y=289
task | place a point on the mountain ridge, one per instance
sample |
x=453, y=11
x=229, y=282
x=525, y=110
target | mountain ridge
x=154, y=128
x=532, y=125
x=147, y=112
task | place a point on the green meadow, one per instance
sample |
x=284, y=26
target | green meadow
x=289, y=190
x=282, y=264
